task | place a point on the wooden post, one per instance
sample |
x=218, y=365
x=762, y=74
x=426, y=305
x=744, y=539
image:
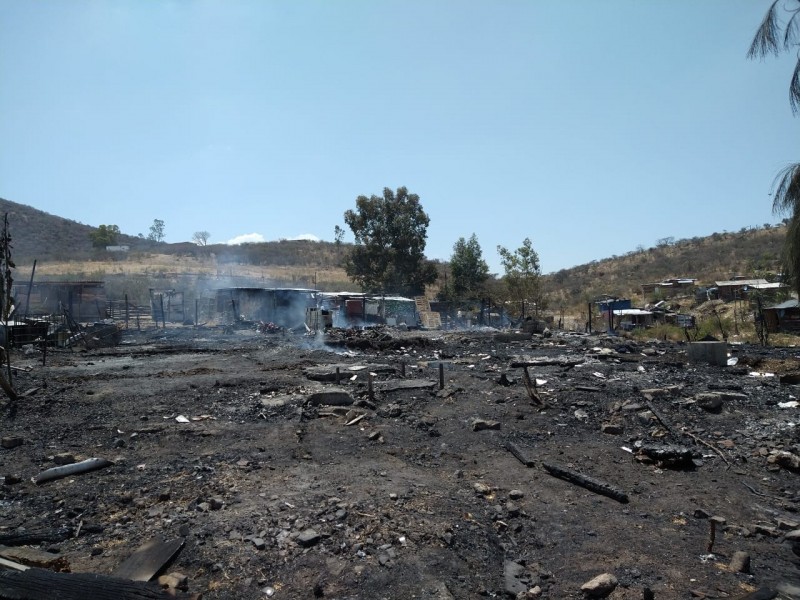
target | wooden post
x=127, y=311
x=338, y=376
x=163, y=316
x=196, y=315
x=30, y=285
x=441, y=375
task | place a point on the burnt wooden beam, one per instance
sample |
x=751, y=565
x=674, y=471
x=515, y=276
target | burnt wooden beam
x=593, y=485
x=519, y=454
x=35, y=584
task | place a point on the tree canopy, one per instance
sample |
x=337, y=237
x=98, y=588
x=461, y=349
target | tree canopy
x=780, y=32
x=156, y=231
x=390, y=233
x=468, y=268
x=201, y=238
x=104, y=235
x=522, y=273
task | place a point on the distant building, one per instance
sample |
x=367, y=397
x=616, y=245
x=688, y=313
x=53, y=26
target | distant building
x=783, y=317
x=668, y=288
x=118, y=248
x=737, y=289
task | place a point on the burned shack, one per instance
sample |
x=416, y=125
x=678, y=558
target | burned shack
x=285, y=307
x=167, y=306
x=86, y=301
x=352, y=309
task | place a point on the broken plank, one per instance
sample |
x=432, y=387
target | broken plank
x=593, y=485
x=34, y=584
x=148, y=560
x=10, y=564
x=33, y=557
x=405, y=384
x=36, y=537
x=559, y=361
x=520, y=454
x=85, y=466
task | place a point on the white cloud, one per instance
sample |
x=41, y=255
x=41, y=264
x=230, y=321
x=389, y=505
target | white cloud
x=306, y=236
x=247, y=238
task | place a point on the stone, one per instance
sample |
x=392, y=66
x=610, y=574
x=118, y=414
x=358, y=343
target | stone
x=601, y=586
x=482, y=488
x=216, y=503
x=793, y=536
x=308, y=538
x=612, y=428
x=740, y=562
x=259, y=543
x=516, y=494
x=709, y=402
x=10, y=442
x=483, y=424
x=514, y=576
x=64, y=458
x=787, y=460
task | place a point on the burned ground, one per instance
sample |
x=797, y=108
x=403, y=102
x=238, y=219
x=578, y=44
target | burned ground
x=282, y=488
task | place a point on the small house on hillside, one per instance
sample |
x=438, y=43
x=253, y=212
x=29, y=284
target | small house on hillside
x=669, y=288
x=737, y=289
x=783, y=317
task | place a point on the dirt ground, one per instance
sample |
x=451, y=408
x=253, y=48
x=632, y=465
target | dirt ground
x=285, y=484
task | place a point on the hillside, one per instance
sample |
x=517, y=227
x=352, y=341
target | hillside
x=750, y=252
x=37, y=235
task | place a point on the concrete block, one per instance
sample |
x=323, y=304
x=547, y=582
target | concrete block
x=710, y=353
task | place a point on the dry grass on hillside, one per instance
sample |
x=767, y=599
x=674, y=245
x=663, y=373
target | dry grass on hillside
x=166, y=266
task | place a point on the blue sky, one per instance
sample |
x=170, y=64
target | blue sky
x=589, y=127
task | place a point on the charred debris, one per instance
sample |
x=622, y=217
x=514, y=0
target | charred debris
x=290, y=444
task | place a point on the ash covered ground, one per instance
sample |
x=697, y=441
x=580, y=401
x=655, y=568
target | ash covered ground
x=285, y=484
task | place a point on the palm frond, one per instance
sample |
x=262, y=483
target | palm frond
x=790, y=33
x=786, y=191
x=794, y=88
x=766, y=40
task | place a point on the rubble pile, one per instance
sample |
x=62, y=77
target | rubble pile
x=387, y=463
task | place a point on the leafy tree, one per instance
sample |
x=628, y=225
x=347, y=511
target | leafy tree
x=338, y=235
x=201, y=238
x=780, y=32
x=390, y=233
x=156, y=231
x=104, y=235
x=468, y=268
x=522, y=273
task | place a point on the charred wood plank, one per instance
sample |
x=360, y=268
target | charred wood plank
x=34, y=584
x=560, y=361
x=36, y=537
x=85, y=466
x=593, y=485
x=148, y=560
x=520, y=454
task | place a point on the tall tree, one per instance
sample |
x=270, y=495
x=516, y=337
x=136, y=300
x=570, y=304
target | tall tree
x=468, y=268
x=104, y=235
x=522, y=273
x=156, y=231
x=390, y=233
x=201, y=238
x=780, y=32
